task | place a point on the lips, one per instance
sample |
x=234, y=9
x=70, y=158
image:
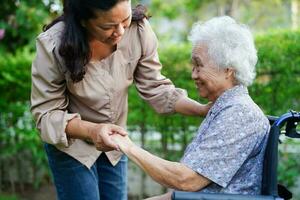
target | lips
x=116, y=38
x=199, y=84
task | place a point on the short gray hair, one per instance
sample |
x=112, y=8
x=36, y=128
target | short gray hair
x=229, y=45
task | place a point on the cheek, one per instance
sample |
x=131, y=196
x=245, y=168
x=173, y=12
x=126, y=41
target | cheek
x=103, y=34
x=211, y=79
x=206, y=75
x=99, y=34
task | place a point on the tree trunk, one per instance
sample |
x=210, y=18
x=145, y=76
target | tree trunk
x=228, y=7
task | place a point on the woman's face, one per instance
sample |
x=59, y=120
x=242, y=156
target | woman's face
x=210, y=81
x=108, y=26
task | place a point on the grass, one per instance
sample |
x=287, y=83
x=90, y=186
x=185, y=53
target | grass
x=8, y=197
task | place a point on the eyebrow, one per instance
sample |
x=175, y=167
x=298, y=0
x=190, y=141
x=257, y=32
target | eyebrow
x=197, y=60
x=113, y=24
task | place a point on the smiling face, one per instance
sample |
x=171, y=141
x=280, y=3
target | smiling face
x=109, y=26
x=211, y=81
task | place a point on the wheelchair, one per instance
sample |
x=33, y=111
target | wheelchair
x=271, y=190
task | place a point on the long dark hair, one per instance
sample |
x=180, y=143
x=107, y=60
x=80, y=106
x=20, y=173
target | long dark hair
x=74, y=47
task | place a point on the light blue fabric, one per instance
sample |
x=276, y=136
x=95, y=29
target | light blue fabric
x=74, y=181
x=229, y=146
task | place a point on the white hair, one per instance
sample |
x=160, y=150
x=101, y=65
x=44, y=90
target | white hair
x=230, y=45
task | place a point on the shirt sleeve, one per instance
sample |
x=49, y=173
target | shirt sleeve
x=48, y=98
x=221, y=149
x=152, y=86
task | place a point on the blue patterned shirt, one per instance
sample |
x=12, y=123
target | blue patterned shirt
x=229, y=146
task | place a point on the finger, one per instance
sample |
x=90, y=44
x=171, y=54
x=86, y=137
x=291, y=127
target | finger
x=108, y=141
x=111, y=133
x=117, y=142
x=104, y=149
x=118, y=148
x=119, y=130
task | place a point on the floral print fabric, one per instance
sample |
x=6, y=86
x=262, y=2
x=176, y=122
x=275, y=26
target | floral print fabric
x=229, y=146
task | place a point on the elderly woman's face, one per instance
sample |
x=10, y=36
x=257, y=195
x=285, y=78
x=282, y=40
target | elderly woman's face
x=210, y=81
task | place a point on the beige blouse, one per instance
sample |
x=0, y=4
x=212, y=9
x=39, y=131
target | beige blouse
x=101, y=97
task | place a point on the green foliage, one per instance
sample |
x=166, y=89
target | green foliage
x=173, y=9
x=289, y=162
x=288, y=170
x=276, y=88
x=22, y=21
x=6, y=197
x=18, y=140
x=18, y=136
x=262, y=15
x=15, y=70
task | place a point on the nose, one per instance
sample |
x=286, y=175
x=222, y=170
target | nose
x=119, y=31
x=194, y=74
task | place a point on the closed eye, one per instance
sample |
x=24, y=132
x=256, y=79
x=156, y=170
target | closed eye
x=109, y=26
x=196, y=62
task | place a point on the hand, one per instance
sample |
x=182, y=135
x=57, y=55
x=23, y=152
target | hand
x=123, y=142
x=100, y=134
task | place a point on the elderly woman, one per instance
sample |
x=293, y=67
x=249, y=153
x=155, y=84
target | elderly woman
x=226, y=155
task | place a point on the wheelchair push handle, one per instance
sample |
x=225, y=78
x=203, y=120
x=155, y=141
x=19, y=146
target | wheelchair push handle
x=291, y=119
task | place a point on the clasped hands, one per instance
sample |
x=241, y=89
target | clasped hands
x=108, y=137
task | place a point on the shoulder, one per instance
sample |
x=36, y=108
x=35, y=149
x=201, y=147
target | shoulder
x=143, y=29
x=47, y=45
x=245, y=105
x=51, y=38
x=249, y=116
x=143, y=24
x=241, y=108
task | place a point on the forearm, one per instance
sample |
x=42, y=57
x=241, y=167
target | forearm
x=189, y=106
x=170, y=174
x=79, y=129
x=162, y=171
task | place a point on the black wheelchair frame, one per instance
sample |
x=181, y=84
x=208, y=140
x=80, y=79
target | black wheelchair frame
x=271, y=190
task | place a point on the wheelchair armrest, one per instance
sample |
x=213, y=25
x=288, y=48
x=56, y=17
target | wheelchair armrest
x=179, y=195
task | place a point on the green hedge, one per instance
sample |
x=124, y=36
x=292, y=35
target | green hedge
x=15, y=78
x=276, y=90
x=277, y=87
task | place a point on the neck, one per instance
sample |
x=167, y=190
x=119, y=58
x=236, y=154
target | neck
x=101, y=50
x=221, y=91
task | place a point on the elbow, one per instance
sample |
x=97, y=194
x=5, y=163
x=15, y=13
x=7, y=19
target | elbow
x=188, y=185
x=59, y=142
x=47, y=138
x=52, y=131
x=192, y=183
x=54, y=139
x=164, y=110
x=189, y=180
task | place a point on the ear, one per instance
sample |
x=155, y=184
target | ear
x=229, y=73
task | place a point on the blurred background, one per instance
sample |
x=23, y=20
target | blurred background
x=24, y=173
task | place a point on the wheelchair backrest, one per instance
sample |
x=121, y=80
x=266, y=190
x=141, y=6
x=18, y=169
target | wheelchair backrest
x=289, y=120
